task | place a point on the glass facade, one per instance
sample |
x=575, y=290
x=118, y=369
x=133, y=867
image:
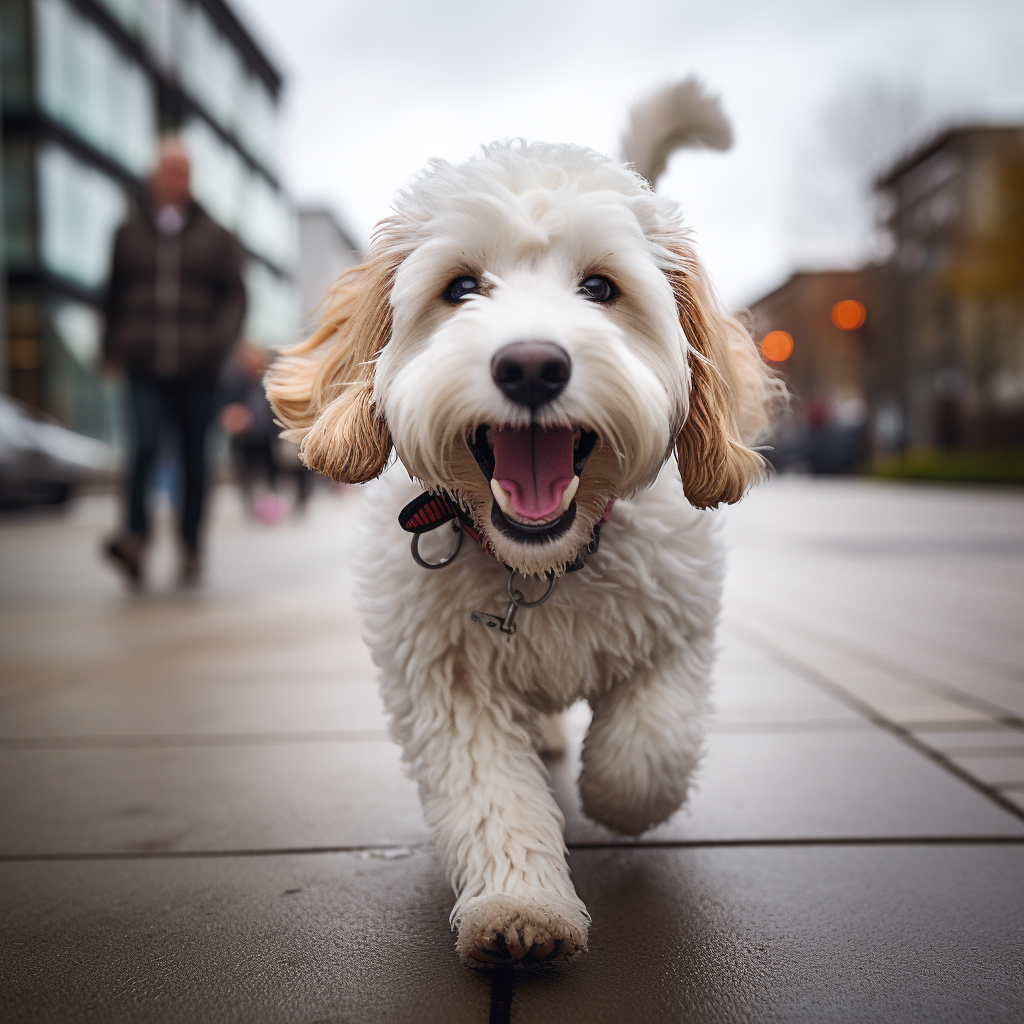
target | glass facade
x=210, y=68
x=258, y=124
x=128, y=12
x=88, y=86
x=86, y=82
x=79, y=210
x=239, y=196
x=78, y=392
x=268, y=226
x=19, y=248
x=273, y=306
x=218, y=172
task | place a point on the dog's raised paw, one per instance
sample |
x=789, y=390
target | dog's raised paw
x=501, y=930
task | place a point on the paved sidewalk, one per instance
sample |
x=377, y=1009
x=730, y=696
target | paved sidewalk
x=202, y=818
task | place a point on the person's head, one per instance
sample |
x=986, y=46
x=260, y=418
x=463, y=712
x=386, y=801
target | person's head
x=169, y=182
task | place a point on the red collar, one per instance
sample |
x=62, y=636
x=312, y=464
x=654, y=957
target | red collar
x=429, y=511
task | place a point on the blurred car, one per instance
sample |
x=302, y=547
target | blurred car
x=832, y=449
x=41, y=462
x=824, y=437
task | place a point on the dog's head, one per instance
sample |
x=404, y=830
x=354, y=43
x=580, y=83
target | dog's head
x=533, y=333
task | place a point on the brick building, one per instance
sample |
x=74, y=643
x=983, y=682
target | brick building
x=938, y=360
x=827, y=364
x=955, y=212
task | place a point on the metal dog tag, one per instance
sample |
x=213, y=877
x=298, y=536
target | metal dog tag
x=506, y=625
x=516, y=599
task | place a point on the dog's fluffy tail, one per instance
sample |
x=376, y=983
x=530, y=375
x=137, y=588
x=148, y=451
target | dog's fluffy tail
x=674, y=117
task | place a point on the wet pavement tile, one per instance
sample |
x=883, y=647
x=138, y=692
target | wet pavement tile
x=217, y=792
x=202, y=703
x=143, y=744
x=809, y=785
x=962, y=740
x=761, y=693
x=206, y=797
x=885, y=691
x=816, y=934
x=1007, y=695
x=997, y=771
x=1015, y=794
x=801, y=933
x=326, y=938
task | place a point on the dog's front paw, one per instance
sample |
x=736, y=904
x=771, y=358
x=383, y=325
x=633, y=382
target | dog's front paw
x=505, y=929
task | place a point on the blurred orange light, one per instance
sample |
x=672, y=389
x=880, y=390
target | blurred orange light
x=849, y=314
x=777, y=346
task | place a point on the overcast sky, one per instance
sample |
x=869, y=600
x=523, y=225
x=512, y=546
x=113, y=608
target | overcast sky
x=374, y=89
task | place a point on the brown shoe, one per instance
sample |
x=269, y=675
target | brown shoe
x=124, y=551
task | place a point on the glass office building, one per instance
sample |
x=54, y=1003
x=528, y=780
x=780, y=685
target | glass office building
x=88, y=87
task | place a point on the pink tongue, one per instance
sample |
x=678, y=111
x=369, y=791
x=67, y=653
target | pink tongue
x=535, y=467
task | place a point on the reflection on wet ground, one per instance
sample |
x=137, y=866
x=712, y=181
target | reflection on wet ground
x=202, y=816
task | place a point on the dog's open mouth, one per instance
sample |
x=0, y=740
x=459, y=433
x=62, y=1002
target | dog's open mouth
x=534, y=474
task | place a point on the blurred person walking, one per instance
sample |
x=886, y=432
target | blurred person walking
x=175, y=306
x=261, y=458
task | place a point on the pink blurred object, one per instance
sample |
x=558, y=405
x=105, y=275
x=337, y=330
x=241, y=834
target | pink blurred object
x=235, y=418
x=270, y=509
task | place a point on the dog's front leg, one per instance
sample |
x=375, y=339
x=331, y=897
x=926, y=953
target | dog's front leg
x=644, y=741
x=485, y=793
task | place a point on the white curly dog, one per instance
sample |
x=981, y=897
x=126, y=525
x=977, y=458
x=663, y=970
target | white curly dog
x=535, y=337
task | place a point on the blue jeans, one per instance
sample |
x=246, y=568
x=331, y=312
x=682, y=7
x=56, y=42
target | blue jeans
x=188, y=406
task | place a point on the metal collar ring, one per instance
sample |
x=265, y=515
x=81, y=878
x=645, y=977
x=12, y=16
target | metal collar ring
x=418, y=558
x=519, y=598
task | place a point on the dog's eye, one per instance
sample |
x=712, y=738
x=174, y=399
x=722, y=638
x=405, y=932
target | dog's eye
x=598, y=289
x=461, y=288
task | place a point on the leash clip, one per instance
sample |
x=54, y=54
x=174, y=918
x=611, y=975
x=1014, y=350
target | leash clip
x=517, y=600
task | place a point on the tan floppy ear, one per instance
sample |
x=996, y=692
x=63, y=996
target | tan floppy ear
x=732, y=392
x=322, y=389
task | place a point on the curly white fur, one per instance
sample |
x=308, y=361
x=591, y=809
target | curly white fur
x=632, y=633
x=660, y=369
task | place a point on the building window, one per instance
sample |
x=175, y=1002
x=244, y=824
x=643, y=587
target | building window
x=257, y=123
x=18, y=223
x=240, y=198
x=271, y=316
x=128, y=12
x=89, y=85
x=268, y=227
x=80, y=210
x=158, y=23
x=212, y=70
x=218, y=172
x=208, y=65
x=78, y=327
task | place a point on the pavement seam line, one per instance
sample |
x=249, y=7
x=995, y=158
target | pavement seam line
x=502, y=992
x=158, y=741
x=155, y=740
x=410, y=848
x=905, y=673
x=817, y=678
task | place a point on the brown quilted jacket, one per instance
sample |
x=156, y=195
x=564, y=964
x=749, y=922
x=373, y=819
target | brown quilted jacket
x=175, y=303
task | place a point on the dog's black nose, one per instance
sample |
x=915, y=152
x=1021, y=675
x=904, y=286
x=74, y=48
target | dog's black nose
x=531, y=373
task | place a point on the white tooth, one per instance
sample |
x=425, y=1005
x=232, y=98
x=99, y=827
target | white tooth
x=567, y=495
x=501, y=496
